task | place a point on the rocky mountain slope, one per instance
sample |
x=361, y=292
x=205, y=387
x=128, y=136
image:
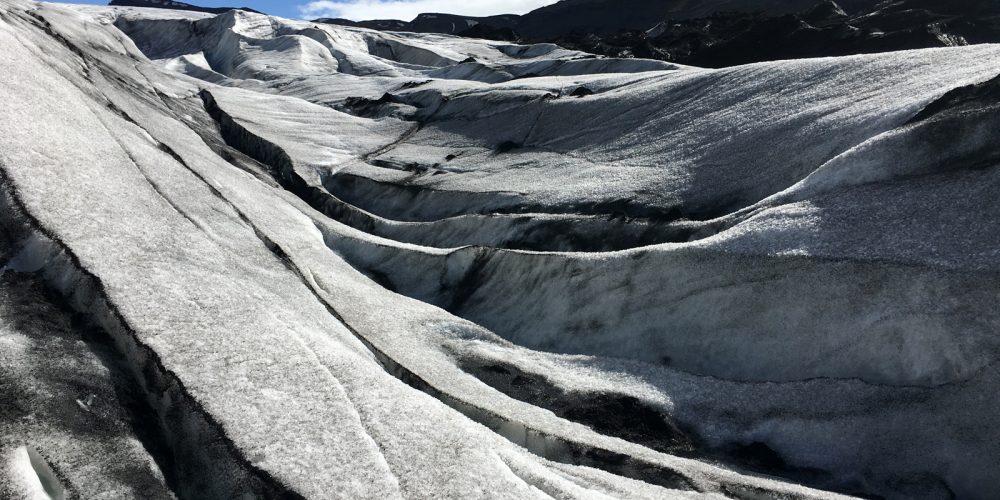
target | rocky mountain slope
x=244, y=256
x=604, y=17
x=580, y=16
x=720, y=34
x=825, y=30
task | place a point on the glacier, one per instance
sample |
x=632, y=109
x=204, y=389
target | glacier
x=251, y=257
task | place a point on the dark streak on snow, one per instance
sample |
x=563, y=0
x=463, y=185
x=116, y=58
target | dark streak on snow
x=629, y=418
x=617, y=415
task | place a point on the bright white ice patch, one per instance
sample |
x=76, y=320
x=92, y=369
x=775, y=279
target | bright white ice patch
x=30, y=471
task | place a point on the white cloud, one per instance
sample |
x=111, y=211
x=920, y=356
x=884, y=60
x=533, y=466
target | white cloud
x=408, y=9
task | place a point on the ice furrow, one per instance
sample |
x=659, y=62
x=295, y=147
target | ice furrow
x=237, y=474
x=550, y=446
x=97, y=435
x=575, y=229
x=275, y=248
x=217, y=468
x=568, y=451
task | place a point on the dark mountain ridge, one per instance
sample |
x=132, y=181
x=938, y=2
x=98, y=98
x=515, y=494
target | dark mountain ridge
x=729, y=32
x=583, y=16
x=714, y=33
x=605, y=17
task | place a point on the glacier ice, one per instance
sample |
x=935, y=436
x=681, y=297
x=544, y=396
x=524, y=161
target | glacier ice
x=250, y=256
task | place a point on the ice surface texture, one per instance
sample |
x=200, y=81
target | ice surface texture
x=248, y=256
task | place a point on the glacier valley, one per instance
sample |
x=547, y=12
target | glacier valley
x=251, y=257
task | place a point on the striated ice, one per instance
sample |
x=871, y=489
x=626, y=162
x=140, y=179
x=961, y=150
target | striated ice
x=245, y=256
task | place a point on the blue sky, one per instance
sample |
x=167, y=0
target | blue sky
x=369, y=9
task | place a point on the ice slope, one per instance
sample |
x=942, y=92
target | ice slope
x=334, y=262
x=67, y=406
